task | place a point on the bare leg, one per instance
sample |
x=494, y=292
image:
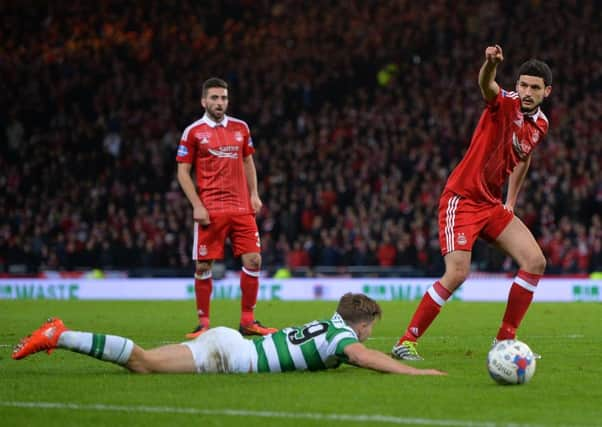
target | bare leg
x=457, y=267
x=518, y=242
x=173, y=358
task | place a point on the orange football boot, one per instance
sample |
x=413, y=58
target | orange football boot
x=255, y=328
x=197, y=332
x=45, y=338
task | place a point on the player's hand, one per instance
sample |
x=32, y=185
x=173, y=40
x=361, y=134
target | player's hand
x=201, y=215
x=494, y=54
x=256, y=204
x=432, y=372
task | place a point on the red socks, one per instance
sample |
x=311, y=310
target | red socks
x=427, y=310
x=203, y=285
x=519, y=299
x=249, y=286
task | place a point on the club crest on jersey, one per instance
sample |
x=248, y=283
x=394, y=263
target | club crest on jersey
x=535, y=137
x=202, y=250
x=462, y=239
x=202, y=137
x=238, y=136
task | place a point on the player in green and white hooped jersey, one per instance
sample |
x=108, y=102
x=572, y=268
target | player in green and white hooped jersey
x=313, y=346
x=316, y=345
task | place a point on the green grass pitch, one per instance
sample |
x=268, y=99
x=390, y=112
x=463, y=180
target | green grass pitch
x=67, y=389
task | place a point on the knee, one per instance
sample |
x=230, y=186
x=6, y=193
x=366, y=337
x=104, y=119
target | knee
x=535, y=264
x=203, y=267
x=252, y=261
x=138, y=363
x=456, y=274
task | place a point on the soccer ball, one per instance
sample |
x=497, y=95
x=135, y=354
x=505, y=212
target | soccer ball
x=511, y=362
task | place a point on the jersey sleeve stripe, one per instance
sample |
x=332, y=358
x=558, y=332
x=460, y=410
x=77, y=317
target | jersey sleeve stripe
x=340, y=351
x=187, y=130
x=262, y=360
x=284, y=356
x=311, y=356
x=235, y=120
x=333, y=331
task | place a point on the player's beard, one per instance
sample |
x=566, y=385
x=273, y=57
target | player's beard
x=528, y=110
x=216, y=115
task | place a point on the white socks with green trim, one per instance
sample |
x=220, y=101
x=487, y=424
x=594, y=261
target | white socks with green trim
x=104, y=347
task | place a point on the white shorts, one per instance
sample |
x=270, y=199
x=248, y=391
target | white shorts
x=223, y=350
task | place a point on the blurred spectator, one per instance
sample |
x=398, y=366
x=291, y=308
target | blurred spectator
x=92, y=96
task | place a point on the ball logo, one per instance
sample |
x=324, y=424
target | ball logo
x=202, y=250
x=462, y=239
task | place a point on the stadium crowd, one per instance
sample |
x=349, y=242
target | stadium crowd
x=359, y=111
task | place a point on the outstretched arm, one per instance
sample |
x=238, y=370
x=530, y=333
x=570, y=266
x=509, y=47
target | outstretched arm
x=489, y=88
x=364, y=357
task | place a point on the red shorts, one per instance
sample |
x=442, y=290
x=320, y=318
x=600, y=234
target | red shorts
x=462, y=220
x=209, y=240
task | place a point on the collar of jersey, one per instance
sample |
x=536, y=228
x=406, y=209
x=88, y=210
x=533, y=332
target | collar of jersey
x=533, y=116
x=336, y=318
x=212, y=124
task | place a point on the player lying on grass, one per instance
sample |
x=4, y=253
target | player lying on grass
x=314, y=346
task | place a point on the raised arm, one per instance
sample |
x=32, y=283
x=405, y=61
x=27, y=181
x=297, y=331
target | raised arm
x=367, y=358
x=489, y=88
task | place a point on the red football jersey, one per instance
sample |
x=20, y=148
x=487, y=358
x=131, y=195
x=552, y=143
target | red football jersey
x=503, y=136
x=216, y=151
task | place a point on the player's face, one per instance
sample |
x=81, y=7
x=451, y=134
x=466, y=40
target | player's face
x=531, y=91
x=215, y=103
x=365, y=330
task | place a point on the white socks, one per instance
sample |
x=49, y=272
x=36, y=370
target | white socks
x=104, y=347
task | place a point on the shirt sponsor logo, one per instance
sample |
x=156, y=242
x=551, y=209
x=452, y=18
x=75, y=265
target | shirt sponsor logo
x=182, y=151
x=226, y=152
x=522, y=149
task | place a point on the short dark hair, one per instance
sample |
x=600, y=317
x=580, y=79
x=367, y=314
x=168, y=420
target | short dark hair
x=537, y=68
x=213, y=82
x=354, y=308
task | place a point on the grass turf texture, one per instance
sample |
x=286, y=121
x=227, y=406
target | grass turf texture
x=566, y=388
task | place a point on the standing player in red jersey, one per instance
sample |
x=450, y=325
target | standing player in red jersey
x=471, y=204
x=220, y=148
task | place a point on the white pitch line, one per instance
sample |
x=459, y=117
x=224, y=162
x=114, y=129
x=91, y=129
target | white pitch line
x=362, y=418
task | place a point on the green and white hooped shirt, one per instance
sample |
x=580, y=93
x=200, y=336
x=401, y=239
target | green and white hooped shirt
x=314, y=346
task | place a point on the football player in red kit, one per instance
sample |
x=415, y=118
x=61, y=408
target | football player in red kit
x=471, y=206
x=219, y=148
